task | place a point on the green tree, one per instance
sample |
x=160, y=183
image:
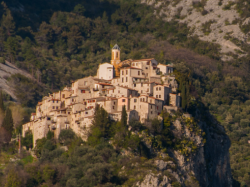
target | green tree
x=39, y=146
x=8, y=123
x=122, y=133
x=13, y=180
x=11, y=46
x=66, y=136
x=101, y=126
x=7, y=23
x=79, y=9
x=183, y=97
x=124, y=116
x=27, y=140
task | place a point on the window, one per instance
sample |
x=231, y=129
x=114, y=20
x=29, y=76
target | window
x=159, y=88
x=150, y=100
x=114, y=103
x=57, y=107
x=72, y=100
x=143, y=99
x=146, y=68
x=126, y=79
x=148, y=63
x=159, y=96
x=151, y=107
x=126, y=72
x=135, y=100
x=134, y=85
x=53, y=101
x=139, y=72
x=63, y=95
x=118, y=91
x=156, y=88
x=85, y=83
x=53, y=107
x=157, y=107
x=122, y=79
x=123, y=100
x=68, y=112
x=82, y=91
x=113, y=107
x=156, y=96
x=122, y=72
x=140, y=99
x=147, y=89
x=116, y=54
x=134, y=107
x=141, y=84
x=86, y=112
x=151, y=112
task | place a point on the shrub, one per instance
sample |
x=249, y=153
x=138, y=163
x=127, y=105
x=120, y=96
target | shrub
x=66, y=136
x=2, y=60
x=228, y=6
x=206, y=27
x=244, y=123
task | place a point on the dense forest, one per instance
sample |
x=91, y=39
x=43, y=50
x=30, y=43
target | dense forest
x=60, y=41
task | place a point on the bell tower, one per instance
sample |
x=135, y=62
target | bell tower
x=115, y=58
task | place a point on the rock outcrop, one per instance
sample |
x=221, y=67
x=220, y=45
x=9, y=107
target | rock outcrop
x=207, y=166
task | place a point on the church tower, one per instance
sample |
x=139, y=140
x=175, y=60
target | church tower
x=115, y=59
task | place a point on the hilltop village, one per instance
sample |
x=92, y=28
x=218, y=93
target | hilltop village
x=143, y=86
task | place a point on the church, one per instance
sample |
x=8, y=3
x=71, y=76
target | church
x=143, y=86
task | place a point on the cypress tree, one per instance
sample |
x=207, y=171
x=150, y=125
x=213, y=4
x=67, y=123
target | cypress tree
x=183, y=97
x=101, y=121
x=124, y=117
x=8, y=123
x=1, y=102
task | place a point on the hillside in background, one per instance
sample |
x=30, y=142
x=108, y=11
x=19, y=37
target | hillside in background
x=60, y=41
x=224, y=22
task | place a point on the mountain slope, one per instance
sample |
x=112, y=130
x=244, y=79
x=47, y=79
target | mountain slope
x=212, y=20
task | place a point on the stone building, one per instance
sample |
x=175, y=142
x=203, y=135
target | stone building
x=143, y=86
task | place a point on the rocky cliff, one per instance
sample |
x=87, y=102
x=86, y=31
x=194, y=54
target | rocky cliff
x=200, y=159
x=222, y=22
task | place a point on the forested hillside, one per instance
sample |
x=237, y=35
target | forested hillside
x=60, y=41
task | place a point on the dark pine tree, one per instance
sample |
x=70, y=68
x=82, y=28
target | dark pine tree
x=1, y=102
x=8, y=123
x=101, y=124
x=183, y=97
x=124, y=116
